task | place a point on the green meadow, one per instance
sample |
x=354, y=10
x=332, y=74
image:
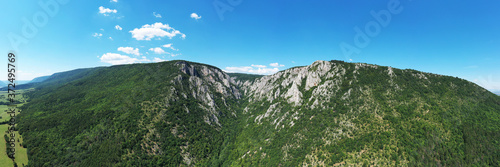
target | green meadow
x=21, y=156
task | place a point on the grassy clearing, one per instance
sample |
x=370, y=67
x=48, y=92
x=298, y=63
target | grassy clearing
x=21, y=153
x=4, y=159
x=18, y=93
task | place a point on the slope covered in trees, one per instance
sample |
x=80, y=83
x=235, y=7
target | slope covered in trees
x=328, y=113
x=337, y=113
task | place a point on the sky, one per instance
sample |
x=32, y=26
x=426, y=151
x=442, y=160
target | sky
x=455, y=38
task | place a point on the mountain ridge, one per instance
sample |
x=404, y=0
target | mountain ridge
x=327, y=113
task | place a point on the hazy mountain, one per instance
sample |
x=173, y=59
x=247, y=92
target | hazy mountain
x=497, y=92
x=39, y=79
x=328, y=113
x=18, y=82
x=56, y=79
x=2, y=84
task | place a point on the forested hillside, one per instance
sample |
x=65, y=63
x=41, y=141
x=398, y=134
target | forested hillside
x=330, y=113
x=162, y=114
x=337, y=113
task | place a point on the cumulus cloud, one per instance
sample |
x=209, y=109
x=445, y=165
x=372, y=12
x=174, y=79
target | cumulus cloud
x=106, y=11
x=113, y=1
x=147, y=32
x=158, y=50
x=129, y=50
x=118, y=27
x=276, y=65
x=195, y=16
x=170, y=46
x=156, y=15
x=115, y=59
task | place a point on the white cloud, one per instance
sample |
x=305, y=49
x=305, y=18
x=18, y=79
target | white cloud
x=249, y=69
x=167, y=45
x=276, y=65
x=129, y=50
x=259, y=66
x=158, y=50
x=156, y=59
x=156, y=15
x=147, y=32
x=195, y=16
x=110, y=38
x=265, y=71
x=118, y=27
x=113, y=1
x=115, y=59
x=97, y=35
x=170, y=46
x=238, y=69
x=106, y=11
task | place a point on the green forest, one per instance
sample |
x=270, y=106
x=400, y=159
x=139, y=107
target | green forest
x=180, y=113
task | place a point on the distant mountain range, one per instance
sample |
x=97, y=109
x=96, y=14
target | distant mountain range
x=3, y=84
x=497, y=92
x=18, y=82
x=329, y=113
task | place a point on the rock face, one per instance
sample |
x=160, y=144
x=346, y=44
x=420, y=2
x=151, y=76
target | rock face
x=204, y=82
x=286, y=84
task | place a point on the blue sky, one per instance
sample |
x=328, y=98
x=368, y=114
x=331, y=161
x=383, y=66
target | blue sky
x=456, y=38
